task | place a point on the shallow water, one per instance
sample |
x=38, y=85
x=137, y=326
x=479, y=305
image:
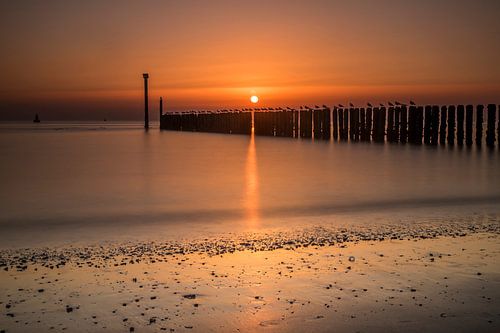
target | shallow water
x=66, y=182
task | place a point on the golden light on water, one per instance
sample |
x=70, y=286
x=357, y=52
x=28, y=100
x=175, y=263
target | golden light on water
x=251, y=198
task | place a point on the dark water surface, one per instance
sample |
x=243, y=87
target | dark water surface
x=66, y=182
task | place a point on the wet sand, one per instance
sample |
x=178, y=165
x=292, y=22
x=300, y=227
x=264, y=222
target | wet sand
x=318, y=281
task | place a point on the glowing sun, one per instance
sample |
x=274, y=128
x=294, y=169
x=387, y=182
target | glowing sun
x=254, y=99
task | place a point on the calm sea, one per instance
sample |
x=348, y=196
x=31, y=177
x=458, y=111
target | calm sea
x=78, y=182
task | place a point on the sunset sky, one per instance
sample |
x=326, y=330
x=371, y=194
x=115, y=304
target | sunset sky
x=84, y=60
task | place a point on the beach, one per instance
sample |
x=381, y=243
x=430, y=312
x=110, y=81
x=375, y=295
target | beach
x=389, y=285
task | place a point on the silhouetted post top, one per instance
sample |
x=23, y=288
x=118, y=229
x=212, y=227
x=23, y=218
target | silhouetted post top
x=145, y=75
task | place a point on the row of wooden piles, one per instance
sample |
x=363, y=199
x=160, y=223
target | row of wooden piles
x=212, y=122
x=431, y=125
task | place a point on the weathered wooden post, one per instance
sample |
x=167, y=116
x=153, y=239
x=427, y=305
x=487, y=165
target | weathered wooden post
x=427, y=124
x=404, y=124
x=341, y=124
x=362, y=127
x=326, y=123
x=411, y=124
x=306, y=123
x=442, y=125
x=397, y=123
x=351, y=124
x=420, y=125
x=335, y=124
x=479, y=125
x=451, y=125
x=435, y=125
x=468, y=124
x=383, y=115
x=376, y=119
x=346, y=124
x=490, y=131
x=356, y=124
x=460, y=125
x=369, y=122
x=390, y=124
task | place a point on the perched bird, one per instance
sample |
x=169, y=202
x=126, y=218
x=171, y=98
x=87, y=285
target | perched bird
x=369, y=104
x=325, y=107
x=341, y=106
x=397, y=103
x=316, y=107
x=412, y=103
x=381, y=105
x=390, y=104
x=351, y=105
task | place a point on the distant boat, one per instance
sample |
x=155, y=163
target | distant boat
x=36, y=120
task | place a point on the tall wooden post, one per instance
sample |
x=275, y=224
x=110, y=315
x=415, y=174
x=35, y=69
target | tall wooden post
x=390, y=124
x=335, y=124
x=362, y=124
x=146, y=113
x=161, y=112
x=479, y=125
x=451, y=125
x=369, y=122
x=490, y=131
x=427, y=124
x=404, y=124
x=460, y=125
x=341, y=124
x=346, y=124
x=468, y=124
x=442, y=125
x=420, y=125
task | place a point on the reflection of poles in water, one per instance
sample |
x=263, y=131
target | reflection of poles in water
x=251, y=197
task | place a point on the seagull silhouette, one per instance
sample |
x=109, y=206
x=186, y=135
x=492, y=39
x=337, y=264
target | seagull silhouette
x=390, y=104
x=412, y=103
x=351, y=105
x=341, y=106
x=369, y=104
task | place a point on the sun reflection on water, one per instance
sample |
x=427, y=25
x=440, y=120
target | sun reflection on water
x=251, y=201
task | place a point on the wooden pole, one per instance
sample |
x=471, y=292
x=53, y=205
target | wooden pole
x=479, y=125
x=369, y=122
x=468, y=124
x=427, y=124
x=460, y=125
x=442, y=125
x=335, y=124
x=362, y=127
x=404, y=124
x=390, y=125
x=490, y=131
x=346, y=124
x=451, y=125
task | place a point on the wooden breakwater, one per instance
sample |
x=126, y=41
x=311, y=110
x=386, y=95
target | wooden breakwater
x=430, y=125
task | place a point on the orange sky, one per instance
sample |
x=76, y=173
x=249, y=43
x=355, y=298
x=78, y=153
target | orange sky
x=84, y=60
